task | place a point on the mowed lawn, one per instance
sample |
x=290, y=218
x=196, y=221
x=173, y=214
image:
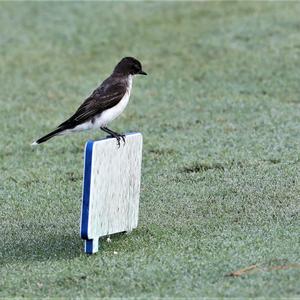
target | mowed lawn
x=220, y=115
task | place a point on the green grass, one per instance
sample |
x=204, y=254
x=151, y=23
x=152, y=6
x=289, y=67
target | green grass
x=220, y=117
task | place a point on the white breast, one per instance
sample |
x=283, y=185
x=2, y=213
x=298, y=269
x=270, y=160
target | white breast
x=106, y=116
x=110, y=114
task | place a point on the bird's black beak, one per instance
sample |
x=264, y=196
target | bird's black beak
x=142, y=72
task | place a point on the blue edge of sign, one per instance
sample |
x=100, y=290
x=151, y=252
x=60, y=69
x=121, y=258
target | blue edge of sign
x=86, y=196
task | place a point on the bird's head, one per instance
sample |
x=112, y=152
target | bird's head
x=129, y=66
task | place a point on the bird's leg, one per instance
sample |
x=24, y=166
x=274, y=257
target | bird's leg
x=108, y=131
x=122, y=136
x=114, y=134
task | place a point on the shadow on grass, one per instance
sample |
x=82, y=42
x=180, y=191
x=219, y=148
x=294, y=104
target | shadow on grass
x=28, y=246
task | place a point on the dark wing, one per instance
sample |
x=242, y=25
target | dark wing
x=107, y=95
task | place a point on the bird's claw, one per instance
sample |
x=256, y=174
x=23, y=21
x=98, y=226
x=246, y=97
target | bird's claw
x=119, y=137
x=123, y=138
x=118, y=141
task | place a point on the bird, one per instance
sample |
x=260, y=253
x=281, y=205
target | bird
x=104, y=104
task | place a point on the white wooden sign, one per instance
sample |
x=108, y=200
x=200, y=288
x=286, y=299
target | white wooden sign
x=111, y=188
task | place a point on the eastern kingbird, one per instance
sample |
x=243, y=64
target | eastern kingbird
x=105, y=103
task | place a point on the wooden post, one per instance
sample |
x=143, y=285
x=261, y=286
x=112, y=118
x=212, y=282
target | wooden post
x=111, y=188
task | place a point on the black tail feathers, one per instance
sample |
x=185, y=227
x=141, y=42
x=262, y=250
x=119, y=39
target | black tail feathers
x=48, y=136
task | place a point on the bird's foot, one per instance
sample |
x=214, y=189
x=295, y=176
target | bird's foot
x=118, y=138
x=123, y=136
